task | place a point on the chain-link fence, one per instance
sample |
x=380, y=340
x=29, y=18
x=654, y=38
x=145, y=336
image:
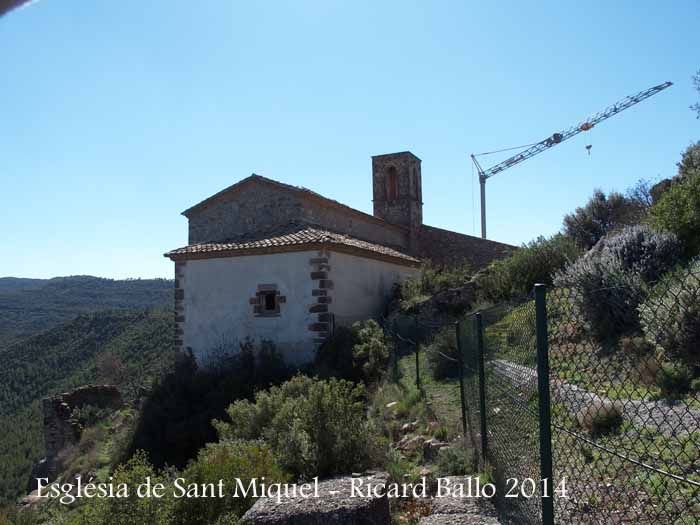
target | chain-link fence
x=625, y=400
x=502, y=355
x=619, y=440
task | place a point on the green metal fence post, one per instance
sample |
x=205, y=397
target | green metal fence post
x=544, y=405
x=394, y=353
x=460, y=364
x=415, y=342
x=482, y=385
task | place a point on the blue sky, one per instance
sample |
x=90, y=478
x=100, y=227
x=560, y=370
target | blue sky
x=116, y=116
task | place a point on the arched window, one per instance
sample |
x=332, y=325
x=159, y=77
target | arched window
x=392, y=190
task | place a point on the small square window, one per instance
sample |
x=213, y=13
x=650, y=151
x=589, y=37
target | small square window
x=269, y=302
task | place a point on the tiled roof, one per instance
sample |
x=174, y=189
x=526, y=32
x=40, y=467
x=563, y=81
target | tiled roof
x=307, y=237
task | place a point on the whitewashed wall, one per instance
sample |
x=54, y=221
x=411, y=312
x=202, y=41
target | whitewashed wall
x=217, y=309
x=218, y=313
x=362, y=287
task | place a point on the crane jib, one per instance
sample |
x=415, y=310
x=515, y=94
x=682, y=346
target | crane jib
x=558, y=138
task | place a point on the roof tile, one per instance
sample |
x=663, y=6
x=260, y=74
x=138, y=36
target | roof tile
x=302, y=237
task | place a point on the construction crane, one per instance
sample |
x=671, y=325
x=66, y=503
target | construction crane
x=557, y=138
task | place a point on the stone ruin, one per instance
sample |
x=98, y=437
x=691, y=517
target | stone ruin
x=60, y=430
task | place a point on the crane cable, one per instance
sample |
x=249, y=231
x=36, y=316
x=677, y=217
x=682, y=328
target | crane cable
x=505, y=149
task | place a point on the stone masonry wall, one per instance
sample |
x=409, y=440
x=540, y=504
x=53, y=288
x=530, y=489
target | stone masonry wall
x=180, y=305
x=322, y=286
x=258, y=208
x=444, y=247
x=59, y=430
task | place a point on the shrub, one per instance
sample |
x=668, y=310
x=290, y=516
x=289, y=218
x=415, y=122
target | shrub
x=600, y=417
x=441, y=354
x=636, y=346
x=601, y=215
x=674, y=380
x=370, y=353
x=441, y=434
x=604, y=294
x=12, y=515
x=227, y=461
x=315, y=427
x=133, y=509
x=670, y=317
x=533, y=263
x=397, y=466
x=455, y=461
x=695, y=385
x=88, y=415
x=677, y=208
x=640, y=249
x=359, y=353
x=431, y=280
x=610, y=281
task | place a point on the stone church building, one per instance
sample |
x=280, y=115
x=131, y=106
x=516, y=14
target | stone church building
x=267, y=260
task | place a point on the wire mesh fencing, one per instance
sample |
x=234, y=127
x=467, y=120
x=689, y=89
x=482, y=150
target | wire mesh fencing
x=595, y=388
x=501, y=373
x=625, y=399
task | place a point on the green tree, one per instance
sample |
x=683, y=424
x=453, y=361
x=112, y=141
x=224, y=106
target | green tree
x=601, y=215
x=535, y=262
x=678, y=208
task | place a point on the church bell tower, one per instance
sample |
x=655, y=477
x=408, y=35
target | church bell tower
x=396, y=189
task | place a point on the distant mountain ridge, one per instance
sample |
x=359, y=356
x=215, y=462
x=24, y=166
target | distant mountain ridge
x=67, y=356
x=31, y=306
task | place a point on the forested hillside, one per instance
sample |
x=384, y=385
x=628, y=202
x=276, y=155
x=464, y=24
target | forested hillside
x=29, y=306
x=128, y=348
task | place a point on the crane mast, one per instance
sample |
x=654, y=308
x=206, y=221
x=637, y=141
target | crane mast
x=556, y=138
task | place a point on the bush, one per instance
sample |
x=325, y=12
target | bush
x=88, y=415
x=641, y=250
x=533, y=263
x=604, y=295
x=670, y=317
x=674, y=380
x=677, y=208
x=455, y=461
x=359, y=353
x=441, y=354
x=431, y=280
x=12, y=515
x=636, y=346
x=610, y=281
x=315, y=427
x=370, y=354
x=397, y=466
x=227, y=461
x=600, y=216
x=133, y=509
x=600, y=417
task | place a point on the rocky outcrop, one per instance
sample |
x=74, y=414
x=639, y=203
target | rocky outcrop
x=333, y=506
x=60, y=430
